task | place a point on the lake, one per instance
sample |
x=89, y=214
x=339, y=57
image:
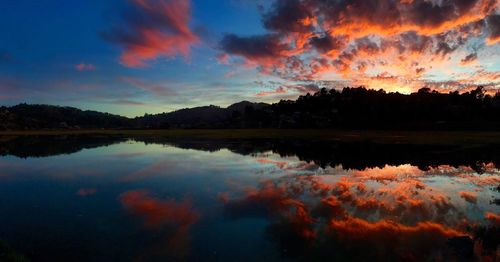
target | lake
x=103, y=198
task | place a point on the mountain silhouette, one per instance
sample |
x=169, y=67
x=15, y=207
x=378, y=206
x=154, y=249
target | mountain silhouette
x=351, y=108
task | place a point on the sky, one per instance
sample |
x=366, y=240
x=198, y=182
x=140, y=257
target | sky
x=132, y=57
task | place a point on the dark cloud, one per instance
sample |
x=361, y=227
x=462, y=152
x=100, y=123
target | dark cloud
x=305, y=88
x=366, y=45
x=469, y=59
x=416, y=43
x=494, y=28
x=364, y=13
x=288, y=16
x=254, y=47
x=429, y=14
x=325, y=44
x=444, y=49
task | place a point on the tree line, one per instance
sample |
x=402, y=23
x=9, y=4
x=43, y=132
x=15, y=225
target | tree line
x=349, y=108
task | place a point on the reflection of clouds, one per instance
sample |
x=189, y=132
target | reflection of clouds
x=289, y=166
x=154, y=169
x=157, y=212
x=173, y=217
x=388, y=238
x=6, y=168
x=388, y=173
x=280, y=164
x=466, y=175
x=83, y=192
x=398, y=211
x=129, y=155
x=470, y=197
x=493, y=218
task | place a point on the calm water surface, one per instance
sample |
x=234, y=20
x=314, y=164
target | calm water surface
x=138, y=200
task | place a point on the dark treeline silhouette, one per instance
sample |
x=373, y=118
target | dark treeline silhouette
x=238, y=115
x=351, y=108
x=30, y=117
x=364, y=108
x=349, y=154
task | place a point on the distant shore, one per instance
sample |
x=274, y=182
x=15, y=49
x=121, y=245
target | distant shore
x=465, y=138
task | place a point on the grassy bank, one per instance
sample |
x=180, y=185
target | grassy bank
x=410, y=137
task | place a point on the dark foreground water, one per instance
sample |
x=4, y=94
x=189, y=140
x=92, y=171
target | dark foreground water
x=152, y=199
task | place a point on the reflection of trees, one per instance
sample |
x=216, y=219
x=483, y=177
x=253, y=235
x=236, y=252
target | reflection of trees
x=351, y=155
x=7, y=253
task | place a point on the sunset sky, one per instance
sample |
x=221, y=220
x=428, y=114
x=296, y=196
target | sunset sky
x=130, y=57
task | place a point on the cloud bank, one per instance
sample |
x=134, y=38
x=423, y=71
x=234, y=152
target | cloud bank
x=395, y=44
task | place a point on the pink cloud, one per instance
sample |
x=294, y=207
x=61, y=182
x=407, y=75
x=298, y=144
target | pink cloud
x=223, y=59
x=155, y=29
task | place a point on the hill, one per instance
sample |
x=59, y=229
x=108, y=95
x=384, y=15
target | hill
x=351, y=108
x=201, y=117
x=29, y=117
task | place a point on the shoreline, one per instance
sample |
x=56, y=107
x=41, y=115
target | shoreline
x=469, y=138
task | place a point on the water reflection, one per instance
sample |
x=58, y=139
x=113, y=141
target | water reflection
x=169, y=216
x=156, y=199
x=395, y=212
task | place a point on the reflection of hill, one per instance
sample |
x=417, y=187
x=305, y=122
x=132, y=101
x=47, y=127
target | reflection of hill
x=352, y=155
x=44, y=146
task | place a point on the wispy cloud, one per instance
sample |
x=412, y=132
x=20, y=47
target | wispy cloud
x=84, y=67
x=153, y=88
